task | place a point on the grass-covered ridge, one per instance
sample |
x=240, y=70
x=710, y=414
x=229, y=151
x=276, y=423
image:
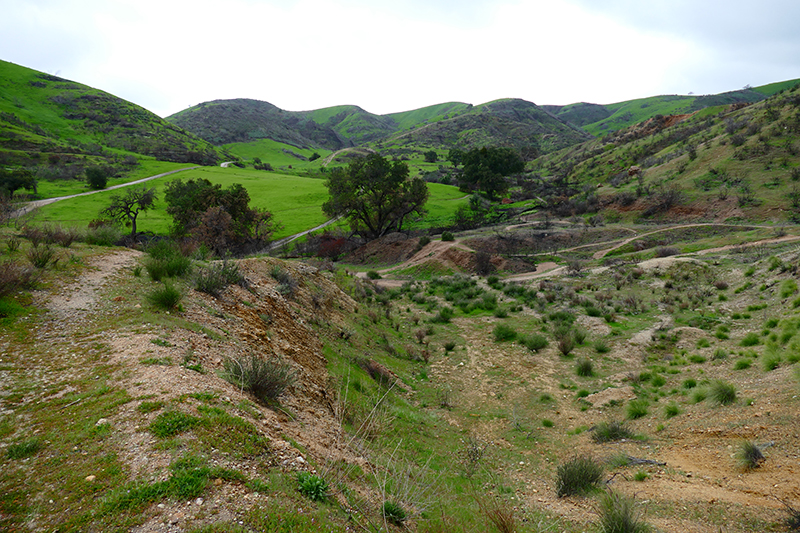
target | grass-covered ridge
x=44, y=115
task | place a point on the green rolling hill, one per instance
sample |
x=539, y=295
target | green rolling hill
x=51, y=123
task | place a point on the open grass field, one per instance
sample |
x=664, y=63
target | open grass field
x=295, y=201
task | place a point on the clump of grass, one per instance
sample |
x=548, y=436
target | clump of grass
x=265, y=379
x=149, y=407
x=749, y=455
x=751, y=339
x=312, y=487
x=449, y=346
x=771, y=362
x=166, y=297
x=618, y=514
x=722, y=393
x=671, y=410
x=504, y=332
x=719, y=353
x=578, y=475
x=394, y=513
x=166, y=261
x=640, y=475
x=171, y=423
x=584, y=368
x=600, y=346
x=41, y=256
x=24, y=449
x=216, y=278
x=287, y=285
x=637, y=408
x=547, y=423
x=611, y=431
x=742, y=364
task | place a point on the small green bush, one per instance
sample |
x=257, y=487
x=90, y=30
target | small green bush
x=372, y=274
x=742, y=364
x=449, y=346
x=265, y=379
x=444, y=316
x=771, y=362
x=578, y=475
x=166, y=297
x=312, y=487
x=534, y=342
x=504, y=332
x=448, y=236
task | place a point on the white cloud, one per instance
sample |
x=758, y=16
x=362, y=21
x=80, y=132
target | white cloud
x=391, y=56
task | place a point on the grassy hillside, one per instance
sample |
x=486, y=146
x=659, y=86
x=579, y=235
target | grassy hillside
x=602, y=119
x=47, y=121
x=725, y=162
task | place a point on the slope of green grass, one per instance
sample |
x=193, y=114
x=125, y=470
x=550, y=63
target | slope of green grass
x=272, y=152
x=41, y=113
x=295, y=201
x=433, y=113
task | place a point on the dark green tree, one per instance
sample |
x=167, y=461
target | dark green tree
x=12, y=180
x=96, y=177
x=375, y=195
x=431, y=156
x=485, y=169
x=126, y=207
x=198, y=207
x=455, y=156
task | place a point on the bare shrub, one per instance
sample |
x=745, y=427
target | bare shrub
x=265, y=379
x=14, y=276
x=666, y=251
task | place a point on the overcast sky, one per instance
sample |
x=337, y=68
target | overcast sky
x=388, y=56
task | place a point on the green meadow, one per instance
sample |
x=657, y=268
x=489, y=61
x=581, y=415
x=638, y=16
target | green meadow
x=295, y=201
x=272, y=152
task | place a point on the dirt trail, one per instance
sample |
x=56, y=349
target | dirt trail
x=30, y=206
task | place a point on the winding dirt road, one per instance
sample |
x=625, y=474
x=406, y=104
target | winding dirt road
x=30, y=206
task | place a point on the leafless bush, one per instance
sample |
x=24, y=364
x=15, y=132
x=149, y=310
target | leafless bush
x=498, y=512
x=666, y=251
x=14, y=276
x=472, y=455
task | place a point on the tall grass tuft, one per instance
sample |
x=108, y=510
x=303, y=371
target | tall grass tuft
x=611, y=431
x=749, y=456
x=722, y=393
x=166, y=297
x=618, y=514
x=578, y=475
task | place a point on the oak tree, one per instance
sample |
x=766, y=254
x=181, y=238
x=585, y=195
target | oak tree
x=376, y=195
